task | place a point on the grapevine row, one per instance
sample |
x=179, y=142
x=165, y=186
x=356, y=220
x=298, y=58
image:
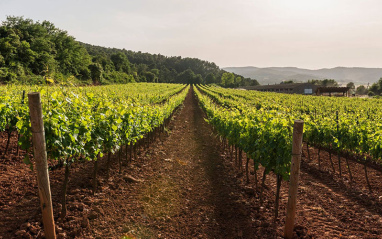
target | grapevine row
x=90, y=121
x=264, y=136
x=342, y=124
x=83, y=124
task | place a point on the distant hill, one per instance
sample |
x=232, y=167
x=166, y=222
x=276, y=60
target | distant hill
x=343, y=75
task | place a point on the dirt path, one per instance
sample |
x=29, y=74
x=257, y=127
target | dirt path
x=186, y=186
x=191, y=194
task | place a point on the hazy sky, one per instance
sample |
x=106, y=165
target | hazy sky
x=302, y=33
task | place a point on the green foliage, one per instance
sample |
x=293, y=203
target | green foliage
x=325, y=83
x=189, y=77
x=96, y=71
x=228, y=79
x=376, y=88
x=29, y=49
x=165, y=69
x=198, y=79
x=361, y=90
x=33, y=48
x=116, y=77
x=287, y=82
x=86, y=122
x=120, y=61
x=350, y=85
x=359, y=126
x=238, y=80
x=265, y=136
x=2, y=61
x=251, y=82
x=210, y=78
x=150, y=77
x=232, y=80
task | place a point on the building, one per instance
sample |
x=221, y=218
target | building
x=333, y=90
x=292, y=88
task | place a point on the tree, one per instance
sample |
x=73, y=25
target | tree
x=325, y=83
x=350, y=85
x=26, y=55
x=238, y=80
x=32, y=48
x=198, y=79
x=186, y=77
x=120, y=61
x=96, y=71
x=361, y=90
x=155, y=72
x=329, y=83
x=287, y=82
x=141, y=69
x=150, y=77
x=376, y=88
x=249, y=82
x=9, y=45
x=254, y=82
x=210, y=78
x=29, y=48
x=106, y=63
x=1, y=60
x=228, y=79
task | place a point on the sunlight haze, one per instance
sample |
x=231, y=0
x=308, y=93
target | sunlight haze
x=307, y=34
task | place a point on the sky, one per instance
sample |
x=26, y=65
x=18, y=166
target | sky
x=262, y=33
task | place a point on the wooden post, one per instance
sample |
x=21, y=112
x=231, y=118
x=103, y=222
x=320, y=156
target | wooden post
x=338, y=150
x=295, y=171
x=39, y=149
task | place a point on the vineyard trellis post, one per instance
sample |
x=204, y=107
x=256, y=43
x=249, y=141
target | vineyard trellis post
x=338, y=150
x=40, y=156
x=294, y=175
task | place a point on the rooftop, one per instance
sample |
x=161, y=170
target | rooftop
x=278, y=86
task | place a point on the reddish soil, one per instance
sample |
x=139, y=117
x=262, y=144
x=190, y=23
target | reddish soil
x=187, y=186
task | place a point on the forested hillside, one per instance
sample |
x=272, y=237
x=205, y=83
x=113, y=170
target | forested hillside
x=31, y=52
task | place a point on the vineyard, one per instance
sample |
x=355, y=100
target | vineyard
x=260, y=125
x=228, y=178
x=88, y=122
x=348, y=125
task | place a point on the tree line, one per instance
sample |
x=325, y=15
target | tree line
x=32, y=51
x=374, y=90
